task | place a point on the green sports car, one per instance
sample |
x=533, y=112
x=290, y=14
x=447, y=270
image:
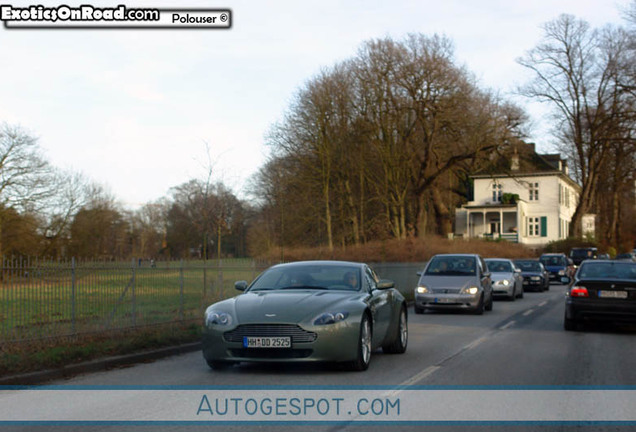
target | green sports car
x=311, y=311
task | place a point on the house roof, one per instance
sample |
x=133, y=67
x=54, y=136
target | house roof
x=521, y=160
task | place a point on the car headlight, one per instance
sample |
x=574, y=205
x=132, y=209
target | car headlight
x=422, y=289
x=218, y=318
x=331, y=318
x=503, y=282
x=471, y=290
x=561, y=272
x=535, y=278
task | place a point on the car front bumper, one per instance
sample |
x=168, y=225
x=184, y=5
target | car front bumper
x=447, y=301
x=334, y=343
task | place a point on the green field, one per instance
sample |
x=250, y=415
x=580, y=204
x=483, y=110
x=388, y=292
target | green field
x=59, y=300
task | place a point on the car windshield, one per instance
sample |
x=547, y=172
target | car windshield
x=579, y=253
x=499, y=266
x=451, y=266
x=531, y=266
x=311, y=276
x=552, y=261
x=607, y=270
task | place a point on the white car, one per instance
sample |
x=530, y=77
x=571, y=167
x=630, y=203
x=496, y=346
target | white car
x=506, y=278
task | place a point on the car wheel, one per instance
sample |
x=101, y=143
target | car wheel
x=218, y=365
x=418, y=310
x=570, y=324
x=513, y=296
x=488, y=306
x=521, y=293
x=479, y=310
x=361, y=363
x=398, y=346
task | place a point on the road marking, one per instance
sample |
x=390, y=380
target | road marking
x=543, y=303
x=507, y=326
x=420, y=376
x=528, y=312
x=475, y=343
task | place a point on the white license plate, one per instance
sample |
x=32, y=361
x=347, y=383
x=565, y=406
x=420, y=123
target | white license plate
x=266, y=342
x=444, y=300
x=613, y=294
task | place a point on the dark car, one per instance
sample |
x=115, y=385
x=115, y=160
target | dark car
x=578, y=255
x=628, y=256
x=558, y=266
x=535, y=276
x=601, y=290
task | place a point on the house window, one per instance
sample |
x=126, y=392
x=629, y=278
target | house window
x=496, y=192
x=537, y=226
x=567, y=197
x=534, y=192
x=560, y=196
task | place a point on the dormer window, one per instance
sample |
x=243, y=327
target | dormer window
x=496, y=192
x=534, y=192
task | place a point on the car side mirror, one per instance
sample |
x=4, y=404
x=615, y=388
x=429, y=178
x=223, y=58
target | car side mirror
x=240, y=285
x=419, y=273
x=385, y=284
x=486, y=274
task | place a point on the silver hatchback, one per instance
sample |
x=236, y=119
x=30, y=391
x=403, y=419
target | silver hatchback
x=454, y=281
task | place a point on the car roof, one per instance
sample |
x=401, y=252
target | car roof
x=321, y=263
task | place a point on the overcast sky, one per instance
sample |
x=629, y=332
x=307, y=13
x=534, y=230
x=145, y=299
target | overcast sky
x=133, y=109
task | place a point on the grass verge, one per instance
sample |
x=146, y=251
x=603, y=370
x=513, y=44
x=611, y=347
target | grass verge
x=54, y=353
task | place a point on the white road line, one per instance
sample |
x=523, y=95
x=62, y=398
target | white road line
x=543, y=303
x=510, y=324
x=420, y=376
x=475, y=343
x=528, y=312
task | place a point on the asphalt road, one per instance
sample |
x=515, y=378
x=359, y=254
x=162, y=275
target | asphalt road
x=519, y=343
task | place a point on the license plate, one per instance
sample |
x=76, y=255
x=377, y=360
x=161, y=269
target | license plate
x=613, y=294
x=526, y=282
x=444, y=300
x=266, y=342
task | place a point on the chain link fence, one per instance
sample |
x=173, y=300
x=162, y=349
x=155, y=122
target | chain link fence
x=42, y=299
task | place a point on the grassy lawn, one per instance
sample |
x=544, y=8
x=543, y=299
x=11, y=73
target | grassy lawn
x=50, y=301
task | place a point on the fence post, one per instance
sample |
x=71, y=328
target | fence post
x=181, y=290
x=73, y=329
x=134, y=300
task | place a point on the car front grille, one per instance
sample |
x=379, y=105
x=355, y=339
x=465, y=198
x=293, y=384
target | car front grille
x=445, y=291
x=297, y=334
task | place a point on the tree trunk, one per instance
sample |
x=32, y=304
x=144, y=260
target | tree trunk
x=444, y=222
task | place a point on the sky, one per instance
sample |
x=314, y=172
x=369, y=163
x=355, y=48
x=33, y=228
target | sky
x=138, y=110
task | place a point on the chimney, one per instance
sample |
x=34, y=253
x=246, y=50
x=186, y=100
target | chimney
x=514, y=161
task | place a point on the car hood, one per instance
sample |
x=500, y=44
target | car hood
x=449, y=281
x=290, y=305
x=501, y=276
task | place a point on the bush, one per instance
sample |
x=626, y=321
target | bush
x=567, y=244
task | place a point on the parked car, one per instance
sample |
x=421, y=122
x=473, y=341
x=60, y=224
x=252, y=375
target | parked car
x=558, y=266
x=306, y=312
x=454, y=281
x=601, y=290
x=535, y=276
x=506, y=278
x=604, y=256
x=627, y=256
x=578, y=255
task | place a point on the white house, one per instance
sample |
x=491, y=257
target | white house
x=547, y=198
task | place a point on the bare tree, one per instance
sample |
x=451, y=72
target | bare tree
x=575, y=72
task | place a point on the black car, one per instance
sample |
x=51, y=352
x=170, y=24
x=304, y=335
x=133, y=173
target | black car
x=535, y=276
x=601, y=290
x=578, y=255
x=557, y=265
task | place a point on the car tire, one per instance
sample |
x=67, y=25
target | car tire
x=418, y=310
x=488, y=305
x=398, y=345
x=570, y=324
x=479, y=309
x=219, y=365
x=521, y=293
x=513, y=297
x=363, y=357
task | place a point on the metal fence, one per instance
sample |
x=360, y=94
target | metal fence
x=42, y=299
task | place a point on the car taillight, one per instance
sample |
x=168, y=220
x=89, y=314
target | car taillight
x=578, y=291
